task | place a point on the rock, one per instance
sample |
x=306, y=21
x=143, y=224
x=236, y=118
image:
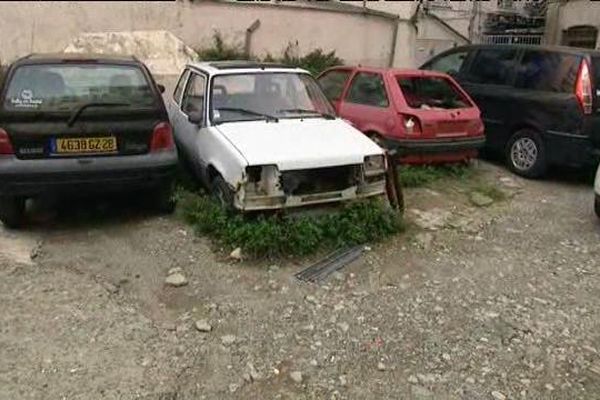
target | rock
x=433, y=219
x=228, y=340
x=480, y=200
x=311, y=299
x=236, y=254
x=446, y=357
x=498, y=396
x=343, y=326
x=381, y=366
x=176, y=270
x=424, y=240
x=176, y=280
x=203, y=326
x=510, y=183
x=470, y=380
x=296, y=376
x=273, y=269
x=413, y=379
x=420, y=393
x=252, y=372
x=343, y=380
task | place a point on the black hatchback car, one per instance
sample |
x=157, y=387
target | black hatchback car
x=540, y=104
x=73, y=123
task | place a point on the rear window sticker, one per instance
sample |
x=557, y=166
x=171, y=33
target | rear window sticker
x=26, y=100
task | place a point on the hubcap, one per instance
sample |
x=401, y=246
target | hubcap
x=523, y=153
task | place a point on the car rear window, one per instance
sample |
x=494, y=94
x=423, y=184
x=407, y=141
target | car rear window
x=431, y=92
x=548, y=71
x=63, y=87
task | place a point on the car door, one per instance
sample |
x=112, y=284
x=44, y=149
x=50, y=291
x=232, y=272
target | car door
x=489, y=79
x=189, y=133
x=333, y=82
x=367, y=105
x=173, y=106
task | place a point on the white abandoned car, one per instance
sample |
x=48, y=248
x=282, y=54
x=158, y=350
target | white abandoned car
x=264, y=136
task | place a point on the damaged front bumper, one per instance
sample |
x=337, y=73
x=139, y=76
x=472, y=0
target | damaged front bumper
x=279, y=197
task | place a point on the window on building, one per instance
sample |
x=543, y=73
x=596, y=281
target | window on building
x=548, y=71
x=368, y=89
x=492, y=66
x=581, y=36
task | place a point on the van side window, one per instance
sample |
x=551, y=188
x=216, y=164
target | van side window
x=367, y=88
x=548, y=71
x=193, y=99
x=449, y=64
x=333, y=83
x=492, y=66
x=180, y=85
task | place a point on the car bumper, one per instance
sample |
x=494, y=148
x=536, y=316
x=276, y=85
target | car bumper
x=256, y=203
x=434, y=146
x=82, y=175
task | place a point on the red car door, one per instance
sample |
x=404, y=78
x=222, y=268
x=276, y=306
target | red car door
x=367, y=105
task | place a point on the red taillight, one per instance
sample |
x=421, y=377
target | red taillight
x=162, y=137
x=5, y=145
x=583, y=88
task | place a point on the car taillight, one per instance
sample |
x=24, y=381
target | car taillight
x=583, y=88
x=162, y=137
x=5, y=144
x=411, y=124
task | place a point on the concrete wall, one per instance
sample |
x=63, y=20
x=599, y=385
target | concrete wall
x=32, y=26
x=562, y=16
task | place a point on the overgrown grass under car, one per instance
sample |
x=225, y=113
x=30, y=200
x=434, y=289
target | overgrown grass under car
x=421, y=175
x=269, y=235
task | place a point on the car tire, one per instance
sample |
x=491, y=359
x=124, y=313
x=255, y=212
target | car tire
x=597, y=205
x=222, y=193
x=526, y=155
x=12, y=212
x=164, y=199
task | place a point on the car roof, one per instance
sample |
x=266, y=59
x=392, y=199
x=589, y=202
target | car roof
x=237, y=66
x=561, y=49
x=46, y=58
x=392, y=71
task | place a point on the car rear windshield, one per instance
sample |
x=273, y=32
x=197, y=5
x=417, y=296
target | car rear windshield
x=431, y=92
x=64, y=87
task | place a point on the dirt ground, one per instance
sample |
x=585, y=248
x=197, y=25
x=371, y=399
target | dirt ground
x=497, y=302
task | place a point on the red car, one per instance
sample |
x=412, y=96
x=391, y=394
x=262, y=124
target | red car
x=425, y=114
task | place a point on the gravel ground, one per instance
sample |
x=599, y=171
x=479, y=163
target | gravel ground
x=497, y=302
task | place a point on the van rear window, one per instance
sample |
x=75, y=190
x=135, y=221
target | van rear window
x=431, y=92
x=548, y=71
x=63, y=87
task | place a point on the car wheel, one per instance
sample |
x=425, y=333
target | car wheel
x=163, y=198
x=597, y=205
x=525, y=154
x=12, y=211
x=222, y=193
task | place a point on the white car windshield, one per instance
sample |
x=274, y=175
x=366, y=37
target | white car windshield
x=252, y=96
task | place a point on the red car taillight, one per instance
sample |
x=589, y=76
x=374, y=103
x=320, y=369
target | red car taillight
x=583, y=88
x=162, y=137
x=5, y=144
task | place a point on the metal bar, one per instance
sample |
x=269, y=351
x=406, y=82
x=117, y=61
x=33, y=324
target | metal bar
x=333, y=262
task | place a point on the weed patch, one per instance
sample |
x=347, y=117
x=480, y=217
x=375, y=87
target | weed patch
x=275, y=235
x=490, y=191
x=416, y=176
x=315, y=61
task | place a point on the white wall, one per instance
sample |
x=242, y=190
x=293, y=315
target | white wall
x=30, y=26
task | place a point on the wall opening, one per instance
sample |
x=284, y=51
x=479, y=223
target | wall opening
x=584, y=36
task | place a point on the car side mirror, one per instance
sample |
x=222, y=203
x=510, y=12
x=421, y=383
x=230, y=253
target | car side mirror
x=195, y=117
x=161, y=88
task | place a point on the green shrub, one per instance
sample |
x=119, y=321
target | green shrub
x=315, y=61
x=273, y=235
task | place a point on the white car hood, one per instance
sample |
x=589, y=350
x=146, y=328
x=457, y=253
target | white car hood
x=299, y=143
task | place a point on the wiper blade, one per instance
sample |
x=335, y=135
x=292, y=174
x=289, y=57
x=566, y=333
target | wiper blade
x=249, y=112
x=80, y=109
x=307, y=111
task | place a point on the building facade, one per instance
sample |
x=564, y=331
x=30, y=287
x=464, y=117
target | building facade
x=573, y=23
